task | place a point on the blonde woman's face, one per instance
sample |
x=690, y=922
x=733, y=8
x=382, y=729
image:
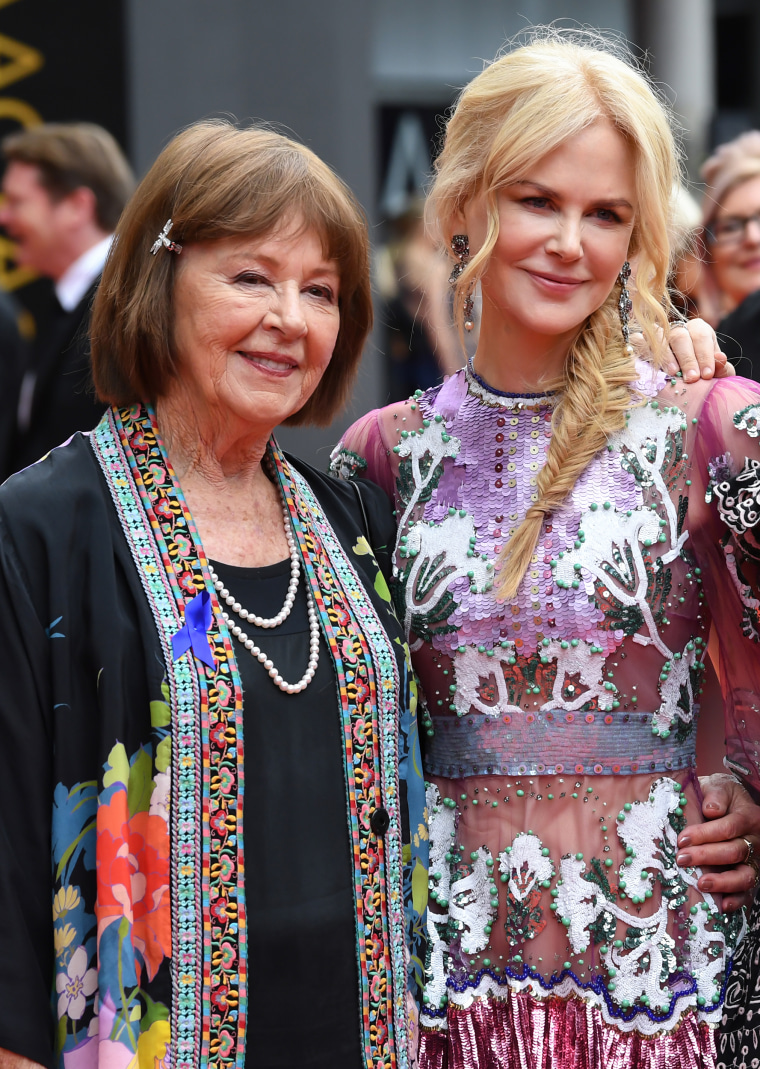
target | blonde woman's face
x=735, y=243
x=564, y=231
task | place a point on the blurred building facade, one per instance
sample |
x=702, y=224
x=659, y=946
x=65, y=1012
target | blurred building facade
x=361, y=84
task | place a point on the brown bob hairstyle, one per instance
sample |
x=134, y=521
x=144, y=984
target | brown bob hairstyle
x=215, y=181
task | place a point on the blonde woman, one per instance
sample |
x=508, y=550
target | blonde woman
x=569, y=521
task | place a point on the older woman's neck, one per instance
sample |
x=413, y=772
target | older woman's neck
x=222, y=451
x=236, y=507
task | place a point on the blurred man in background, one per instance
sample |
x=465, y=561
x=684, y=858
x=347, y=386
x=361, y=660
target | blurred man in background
x=65, y=186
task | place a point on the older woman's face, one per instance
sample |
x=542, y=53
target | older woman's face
x=735, y=248
x=255, y=325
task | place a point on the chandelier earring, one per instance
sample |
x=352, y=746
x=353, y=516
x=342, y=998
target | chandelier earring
x=460, y=246
x=625, y=306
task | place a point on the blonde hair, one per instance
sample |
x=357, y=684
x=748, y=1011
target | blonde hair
x=524, y=105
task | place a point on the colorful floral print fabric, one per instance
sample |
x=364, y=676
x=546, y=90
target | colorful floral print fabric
x=102, y=967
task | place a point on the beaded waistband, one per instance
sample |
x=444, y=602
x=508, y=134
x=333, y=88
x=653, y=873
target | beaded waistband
x=555, y=741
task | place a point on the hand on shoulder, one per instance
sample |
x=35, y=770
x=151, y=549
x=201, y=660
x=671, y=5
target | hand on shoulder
x=694, y=351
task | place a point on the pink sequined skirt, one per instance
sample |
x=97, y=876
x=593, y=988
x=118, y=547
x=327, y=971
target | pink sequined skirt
x=523, y=1032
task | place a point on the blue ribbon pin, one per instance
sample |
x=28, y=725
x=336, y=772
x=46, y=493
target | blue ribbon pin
x=194, y=633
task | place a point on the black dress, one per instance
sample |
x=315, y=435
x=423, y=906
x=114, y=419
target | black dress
x=306, y=809
x=739, y=337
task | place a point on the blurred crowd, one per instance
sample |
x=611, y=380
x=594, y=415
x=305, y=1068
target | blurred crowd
x=64, y=187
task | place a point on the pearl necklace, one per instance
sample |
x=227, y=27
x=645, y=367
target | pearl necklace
x=290, y=597
x=275, y=621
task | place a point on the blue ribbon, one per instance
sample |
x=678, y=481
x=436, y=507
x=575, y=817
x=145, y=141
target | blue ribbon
x=194, y=633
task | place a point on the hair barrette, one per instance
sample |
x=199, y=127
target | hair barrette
x=163, y=240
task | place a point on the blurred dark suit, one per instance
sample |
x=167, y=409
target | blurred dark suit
x=739, y=337
x=56, y=396
x=12, y=358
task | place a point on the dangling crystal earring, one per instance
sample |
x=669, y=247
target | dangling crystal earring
x=460, y=246
x=625, y=306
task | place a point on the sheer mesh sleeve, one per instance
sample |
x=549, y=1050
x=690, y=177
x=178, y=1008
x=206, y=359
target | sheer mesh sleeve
x=26, y=936
x=363, y=450
x=726, y=474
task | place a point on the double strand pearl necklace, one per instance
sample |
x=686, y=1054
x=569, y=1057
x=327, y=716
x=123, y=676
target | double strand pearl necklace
x=275, y=621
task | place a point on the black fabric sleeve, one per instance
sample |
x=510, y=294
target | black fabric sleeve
x=339, y=499
x=26, y=927
x=381, y=523
x=739, y=337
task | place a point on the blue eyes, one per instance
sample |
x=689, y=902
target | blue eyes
x=604, y=215
x=608, y=215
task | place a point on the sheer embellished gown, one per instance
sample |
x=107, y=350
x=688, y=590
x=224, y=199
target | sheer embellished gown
x=560, y=726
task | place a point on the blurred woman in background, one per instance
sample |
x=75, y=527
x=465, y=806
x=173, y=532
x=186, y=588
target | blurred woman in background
x=730, y=272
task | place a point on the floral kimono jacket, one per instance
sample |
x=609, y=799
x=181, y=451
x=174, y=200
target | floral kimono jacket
x=123, y=921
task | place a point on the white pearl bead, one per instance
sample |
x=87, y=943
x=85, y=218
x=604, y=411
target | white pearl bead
x=275, y=621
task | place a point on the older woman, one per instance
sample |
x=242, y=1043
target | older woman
x=185, y=610
x=727, y=287
x=569, y=521
x=728, y=281
x=731, y=218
